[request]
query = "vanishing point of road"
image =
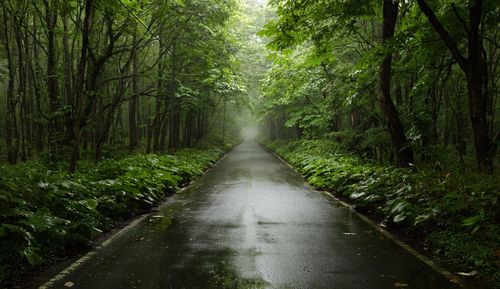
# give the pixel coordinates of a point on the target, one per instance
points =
(252, 222)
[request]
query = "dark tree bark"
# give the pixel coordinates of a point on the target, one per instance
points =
(153, 131)
(30, 101)
(68, 72)
(22, 86)
(96, 65)
(189, 128)
(154, 127)
(106, 117)
(133, 105)
(52, 78)
(475, 69)
(79, 86)
(174, 107)
(164, 131)
(11, 119)
(157, 122)
(404, 154)
(35, 76)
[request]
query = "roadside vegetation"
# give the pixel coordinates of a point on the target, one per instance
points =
(454, 215)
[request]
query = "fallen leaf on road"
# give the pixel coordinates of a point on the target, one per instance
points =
(400, 285)
(69, 284)
(471, 273)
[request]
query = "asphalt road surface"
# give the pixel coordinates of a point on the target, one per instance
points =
(251, 222)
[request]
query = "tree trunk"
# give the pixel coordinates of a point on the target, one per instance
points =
(30, 101)
(189, 128)
(36, 75)
(10, 120)
(79, 86)
(476, 73)
(477, 84)
(133, 105)
(106, 116)
(21, 91)
(68, 89)
(174, 107)
(52, 79)
(224, 122)
(403, 152)
(164, 131)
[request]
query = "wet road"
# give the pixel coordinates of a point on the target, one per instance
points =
(251, 222)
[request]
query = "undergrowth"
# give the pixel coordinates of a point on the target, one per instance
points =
(45, 213)
(457, 214)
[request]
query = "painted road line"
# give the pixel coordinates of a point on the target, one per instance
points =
(85, 258)
(88, 256)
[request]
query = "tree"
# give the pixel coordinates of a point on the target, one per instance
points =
(94, 92)
(475, 68)
(404, 153)
(302, 21)
(325, 62)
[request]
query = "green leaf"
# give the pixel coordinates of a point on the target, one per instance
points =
(43, 220)
(399, 218)
(471, 221)
(90, 204)
(32, 256)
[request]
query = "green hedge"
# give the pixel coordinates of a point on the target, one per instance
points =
(44, 212)
(456, 213)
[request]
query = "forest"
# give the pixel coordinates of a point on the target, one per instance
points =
(393, 105)
(107, 106)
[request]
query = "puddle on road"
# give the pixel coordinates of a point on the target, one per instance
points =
(207, 269)
(211, 269)
(163, 219)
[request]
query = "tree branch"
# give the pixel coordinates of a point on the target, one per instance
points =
(460, 18)
(452, 46)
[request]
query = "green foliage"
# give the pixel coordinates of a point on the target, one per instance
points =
(45, 212)
(461, 209)
(475, 250)
(326, 57)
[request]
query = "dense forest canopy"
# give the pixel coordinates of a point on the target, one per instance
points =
(401, 82)
(83, 76)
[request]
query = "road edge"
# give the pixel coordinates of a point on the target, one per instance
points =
(132, 224)
(405, 246)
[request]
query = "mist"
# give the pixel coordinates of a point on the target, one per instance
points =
(249, 132)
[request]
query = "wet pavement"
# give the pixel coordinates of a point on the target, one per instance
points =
(251, 222)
